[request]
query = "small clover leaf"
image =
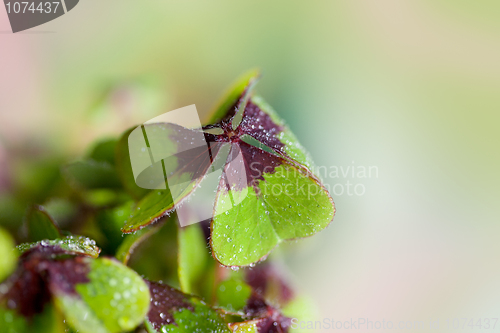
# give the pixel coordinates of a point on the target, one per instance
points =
(7, 254)
(173, 311)
(132, 241)
(113, 299)
(93, 295)
(152, 252)
(124, 168)
(233, 295)
(40, 224)
(71, 245)
(193, 257)
(261, 317)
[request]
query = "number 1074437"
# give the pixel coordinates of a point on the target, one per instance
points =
(30, 7)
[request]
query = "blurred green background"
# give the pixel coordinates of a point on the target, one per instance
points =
(411, 87)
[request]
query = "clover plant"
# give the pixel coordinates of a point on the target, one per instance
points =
(99, 254)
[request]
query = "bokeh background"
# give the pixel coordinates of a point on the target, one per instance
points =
(411, 87)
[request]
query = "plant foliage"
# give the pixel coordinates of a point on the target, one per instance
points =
(134, 268)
